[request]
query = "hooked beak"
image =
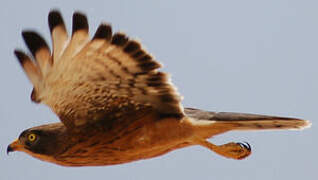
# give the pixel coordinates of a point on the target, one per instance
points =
(14, 146)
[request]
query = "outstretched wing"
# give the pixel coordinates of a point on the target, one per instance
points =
(84, 81)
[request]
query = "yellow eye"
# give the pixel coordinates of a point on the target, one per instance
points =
(32, 137)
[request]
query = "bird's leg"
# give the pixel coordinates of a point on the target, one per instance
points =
(230, 150)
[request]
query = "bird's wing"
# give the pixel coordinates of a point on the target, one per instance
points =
(86, 80)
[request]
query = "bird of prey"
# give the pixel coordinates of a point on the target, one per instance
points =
(114, 105)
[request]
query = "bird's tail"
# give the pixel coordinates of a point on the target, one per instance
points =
(213, 123)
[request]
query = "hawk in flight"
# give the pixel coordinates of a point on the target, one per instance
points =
(114, 105)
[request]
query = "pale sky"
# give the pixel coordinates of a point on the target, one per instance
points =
(242, 56)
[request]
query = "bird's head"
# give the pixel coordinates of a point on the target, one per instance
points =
(40, 141)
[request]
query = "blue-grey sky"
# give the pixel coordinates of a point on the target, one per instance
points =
(243, 56)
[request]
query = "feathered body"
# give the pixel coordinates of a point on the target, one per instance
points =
(114, 104)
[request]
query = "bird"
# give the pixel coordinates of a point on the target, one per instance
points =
(114, 104)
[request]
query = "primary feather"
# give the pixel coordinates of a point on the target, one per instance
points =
(84, 80)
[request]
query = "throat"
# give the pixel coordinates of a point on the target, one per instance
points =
(41, 157)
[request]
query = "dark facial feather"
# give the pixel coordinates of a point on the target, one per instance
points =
(47, 139)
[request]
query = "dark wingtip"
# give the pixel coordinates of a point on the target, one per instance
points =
(34, 41)
(55, 19)
(168, 98)
(148, 66)
(157, 80)
(79, 22)
(119, 39)
(34, 97)
(132, 46)
(104, 31)
(144, 58)
(138, 54)
(20, 55)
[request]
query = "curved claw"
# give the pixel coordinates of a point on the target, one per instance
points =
(247, 149)
(246, 145)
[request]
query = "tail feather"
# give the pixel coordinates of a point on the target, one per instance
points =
(212, 123)
(274, 124)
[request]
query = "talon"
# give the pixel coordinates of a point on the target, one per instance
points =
(241, 144)
(245, 145)
(248, 146)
